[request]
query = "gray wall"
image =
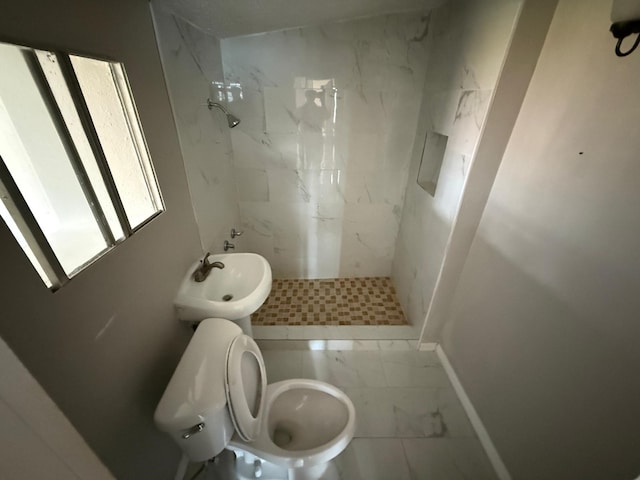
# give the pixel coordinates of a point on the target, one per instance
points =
(544, 327)
(104, 346)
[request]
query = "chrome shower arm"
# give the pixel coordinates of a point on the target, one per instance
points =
(211, 104)
(232, 120)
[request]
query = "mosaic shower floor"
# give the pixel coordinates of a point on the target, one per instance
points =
(333, 301)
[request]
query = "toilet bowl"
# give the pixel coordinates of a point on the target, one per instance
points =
(219, 398)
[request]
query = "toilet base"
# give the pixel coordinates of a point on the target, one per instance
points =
(250, 467)
(324, 471)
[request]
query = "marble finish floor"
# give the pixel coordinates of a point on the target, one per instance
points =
(410, 423)
(331, 301)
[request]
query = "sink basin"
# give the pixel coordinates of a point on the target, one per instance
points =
(234, 292)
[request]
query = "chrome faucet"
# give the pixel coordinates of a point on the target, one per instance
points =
(203, 270)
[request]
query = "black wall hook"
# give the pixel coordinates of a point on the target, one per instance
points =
(622, 30)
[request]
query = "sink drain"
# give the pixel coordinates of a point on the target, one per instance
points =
(227, 297)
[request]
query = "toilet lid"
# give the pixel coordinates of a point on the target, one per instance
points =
(245, 385)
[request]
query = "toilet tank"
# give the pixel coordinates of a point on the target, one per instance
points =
(194, 404)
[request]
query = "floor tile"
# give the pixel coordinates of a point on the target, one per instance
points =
(282, 364)
(447, 459)
(409, 413)
(373, 459)
(409, 422)
(333, 301)
(344, 368)
(403, 345)
(413, 369)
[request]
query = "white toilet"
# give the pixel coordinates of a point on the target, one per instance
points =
(218, 398)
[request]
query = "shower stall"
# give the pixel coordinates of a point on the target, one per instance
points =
(321, 174)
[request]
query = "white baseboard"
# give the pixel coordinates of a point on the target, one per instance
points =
(483, 435)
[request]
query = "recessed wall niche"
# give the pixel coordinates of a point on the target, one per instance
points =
(432, 155)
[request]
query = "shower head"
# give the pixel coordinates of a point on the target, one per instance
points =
(232, 120)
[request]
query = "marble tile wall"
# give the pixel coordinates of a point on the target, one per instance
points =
(322, 154)
(193, 70)
(467, 42)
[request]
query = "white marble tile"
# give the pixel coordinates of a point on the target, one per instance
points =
(409, 412)
(352, 345)
(318, 344)
(251, 241)
(341, 344)
(270, 332)
(295, 263)
(252, 185)
(352, 53)
(406, 332)
(413, 369)
(306, 237)
(466, 43)
(373, 459)
(478, 31)
(375, 187)
(398, 345)
(256, 216)
(191, 61)
(325, 186)
(282, 364)
(304, 111)
(447, 459)
(332, 114)
(368, 240)
(248, 106)
(440, 108)
(344, 368)
(319, 332)
(375, 151)
(253, 149)
(288, 186)
(328, 332)
(468, 120)
(293, 224)
(278, 332)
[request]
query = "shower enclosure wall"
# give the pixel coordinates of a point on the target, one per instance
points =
(333, 121)
(322, 156)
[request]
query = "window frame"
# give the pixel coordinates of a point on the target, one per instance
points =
(18, 207)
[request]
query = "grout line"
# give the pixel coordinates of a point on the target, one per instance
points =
(483, 435)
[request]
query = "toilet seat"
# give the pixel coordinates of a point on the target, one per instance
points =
(245, 386)
(264, 447)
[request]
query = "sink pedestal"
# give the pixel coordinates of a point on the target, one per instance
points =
(245, 324)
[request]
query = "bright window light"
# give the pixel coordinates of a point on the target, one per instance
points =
(76, 178)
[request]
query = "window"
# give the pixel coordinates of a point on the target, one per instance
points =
(76, 178)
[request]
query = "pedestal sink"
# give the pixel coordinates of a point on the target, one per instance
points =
(234, 292)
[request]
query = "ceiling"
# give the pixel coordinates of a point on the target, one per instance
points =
(230, 18)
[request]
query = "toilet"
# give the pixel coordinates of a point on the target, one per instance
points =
(218, 398)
